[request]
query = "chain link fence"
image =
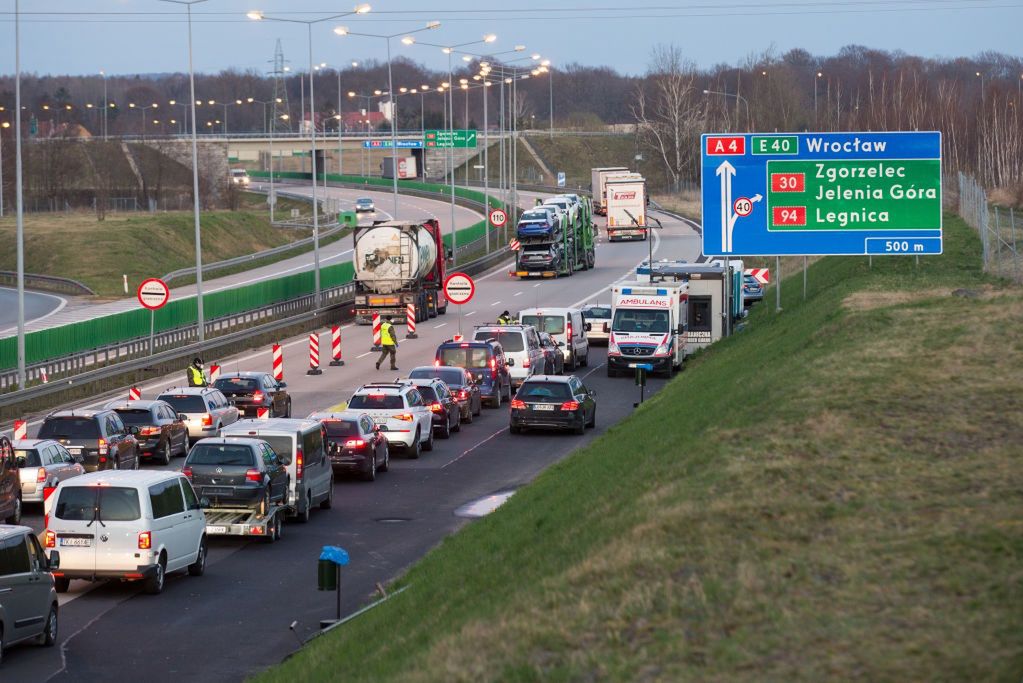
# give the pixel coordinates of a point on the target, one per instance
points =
(998, 228)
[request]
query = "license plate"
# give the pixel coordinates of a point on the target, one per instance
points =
(217, 491)
(543, 406)
(76, 542)
(216, 529)
(75, 451)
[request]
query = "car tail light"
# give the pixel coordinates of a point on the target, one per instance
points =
(404, 417)
(41, 475)
(570, 405)
(299, 463)
(207, 420)
(436, 407)
(355, 443)
(145, 540)
(436, 363)
(187, 471)
(462, 393)
(50, 539)
(569, 332)
(525, 363)
(149, 431)
(102, 443)
(516, 404)
(258, 397)
(253, 475)
(102, 459)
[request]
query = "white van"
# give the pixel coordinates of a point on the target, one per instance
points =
(299, 443)
(125, 525)
(568, 328)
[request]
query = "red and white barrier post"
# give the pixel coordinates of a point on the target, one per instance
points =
(134, 393)
(335, 346)
(262, 413)
(278, 362)
(376, 332)
(410, 321)
(314, 355)
(214, 373)
(20, 430)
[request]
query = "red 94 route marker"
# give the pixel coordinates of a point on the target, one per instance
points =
(153, 293)
(459, 288)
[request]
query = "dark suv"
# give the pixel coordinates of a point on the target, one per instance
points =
(99, 436)
(484, 359)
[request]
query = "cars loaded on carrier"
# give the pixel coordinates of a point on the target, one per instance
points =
(125, 526)
(251, 391)
(162, 432)
(355, 443)
(99, 436)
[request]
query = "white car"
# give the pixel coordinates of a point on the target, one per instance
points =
(125, 525)
(400, 412)
(240, 176)
(567, 206)
(599, 319)
(206, 409)
(567, 327)
(43, 463)
(522, 352)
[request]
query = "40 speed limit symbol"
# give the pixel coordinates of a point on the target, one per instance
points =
(743, 206)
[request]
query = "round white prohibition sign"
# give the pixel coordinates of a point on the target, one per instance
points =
(742, 206)
(459, 288)
(153, 293)
(498, 218)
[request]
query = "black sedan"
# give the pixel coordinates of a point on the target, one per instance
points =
(442, 403)
(250, 391)
(463, 387)
(552, 354)
(162, 433)
(549, 402)
(354, 443)
(237, 472)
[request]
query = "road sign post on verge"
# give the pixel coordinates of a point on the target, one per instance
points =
(459, 289)
(825, 194)
(153, 293)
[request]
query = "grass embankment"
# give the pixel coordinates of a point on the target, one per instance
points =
(141, 245)
(832, 494)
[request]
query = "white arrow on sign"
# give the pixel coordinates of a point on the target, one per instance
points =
(728, 216)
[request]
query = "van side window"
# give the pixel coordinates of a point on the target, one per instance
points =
(312, 446)
(166, 499)
(35, 554)
(14, 556)
(191, 501)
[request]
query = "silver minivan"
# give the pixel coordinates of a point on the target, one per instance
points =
(300, 445)
(568, 328)
(28, 601)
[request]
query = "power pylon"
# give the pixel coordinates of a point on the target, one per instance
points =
(281, 123)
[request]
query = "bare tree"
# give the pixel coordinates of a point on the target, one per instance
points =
(669, 115)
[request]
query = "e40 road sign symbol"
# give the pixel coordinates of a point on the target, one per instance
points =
(498, 218)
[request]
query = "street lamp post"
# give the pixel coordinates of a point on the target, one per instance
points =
(19, 208)
(259, 16)
(815, 79)
(201, 323)
(738, 97)
(106, 103)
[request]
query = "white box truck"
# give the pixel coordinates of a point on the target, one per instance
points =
(626, 208)
(648, 326)
(598, 186)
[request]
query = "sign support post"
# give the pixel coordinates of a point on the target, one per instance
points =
(777, 290)
(153, 293)
(459, 289)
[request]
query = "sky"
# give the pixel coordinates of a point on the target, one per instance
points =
(149, 36)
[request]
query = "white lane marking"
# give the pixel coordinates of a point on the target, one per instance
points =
(593, 371)
(518, 293)
(437, 327)
(364, 355)
(496, 303)
(465, 453)
(537, 285)
(470, 313)
(629, 273)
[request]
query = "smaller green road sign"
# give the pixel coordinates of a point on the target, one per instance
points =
(450, 138)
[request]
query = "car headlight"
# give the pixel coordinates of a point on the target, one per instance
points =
(661, 350)
(612, 347)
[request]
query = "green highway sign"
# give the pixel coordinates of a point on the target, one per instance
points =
(450, 138)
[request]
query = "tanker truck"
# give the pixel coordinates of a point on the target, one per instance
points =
(399, 263)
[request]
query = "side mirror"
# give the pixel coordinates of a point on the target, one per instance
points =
(607, 327)
(593, 392)
(54, 562)
(561, 343)
(282, 385)
(510, 362)
(682, 329)
(204, 503)
(588, 327)
(133, 430)
(183, 417)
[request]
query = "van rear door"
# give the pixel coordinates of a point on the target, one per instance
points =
(72, 520)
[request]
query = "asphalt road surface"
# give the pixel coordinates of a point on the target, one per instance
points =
(234, 621)
(37, 305)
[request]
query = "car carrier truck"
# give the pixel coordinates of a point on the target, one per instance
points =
(399, 263)
(556, 250)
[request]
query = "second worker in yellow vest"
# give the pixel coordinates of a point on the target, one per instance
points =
(389, 344)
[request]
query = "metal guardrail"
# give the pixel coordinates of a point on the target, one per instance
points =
(49, 283)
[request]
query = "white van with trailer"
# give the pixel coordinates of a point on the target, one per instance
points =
(300, 445)
(626, 208)
(648, 326)
(568, 329)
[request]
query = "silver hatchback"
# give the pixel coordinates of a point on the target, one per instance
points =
(206, 409)
(42, 464)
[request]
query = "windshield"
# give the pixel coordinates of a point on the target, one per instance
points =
(465, 357)
(551, 324)
(534, 216)
(186, 404)
(336, 428)
(634, 320)
(510, 341)
(136, 416)
(597, 312)
(377, 402)
(453, 378)
(69, 428)
(221, 454)
(27, 457)
(540, 391)
(232, 385)
(559, 203)
(105, 503)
